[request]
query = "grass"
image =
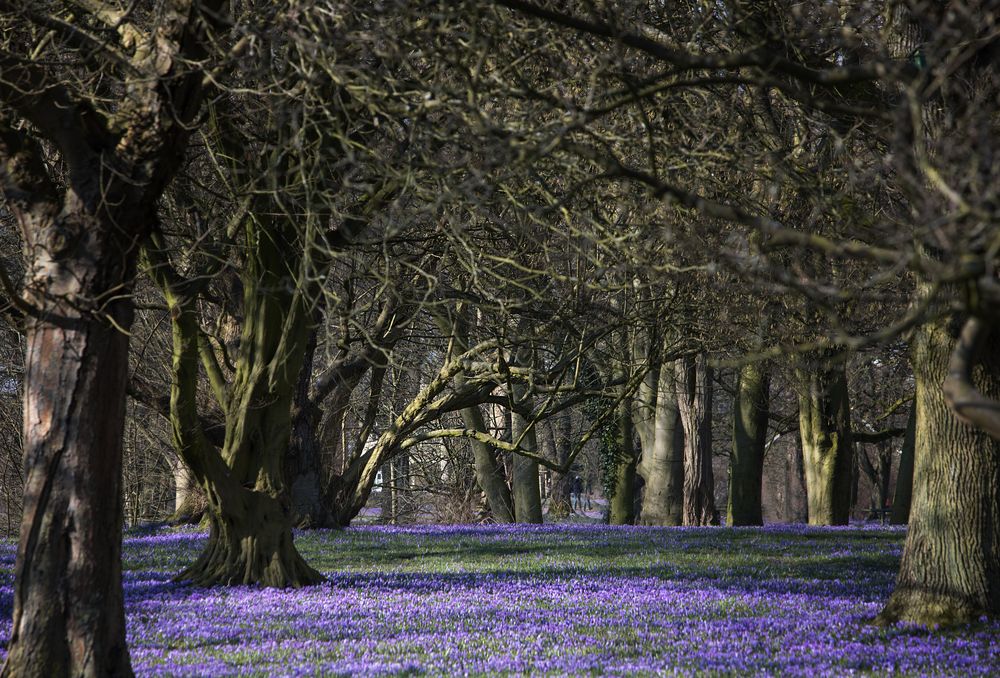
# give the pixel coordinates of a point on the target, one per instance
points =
(555, 600)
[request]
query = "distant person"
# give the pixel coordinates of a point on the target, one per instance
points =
(576, 494)
(588, 488)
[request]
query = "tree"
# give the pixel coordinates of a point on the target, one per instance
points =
(96, 108)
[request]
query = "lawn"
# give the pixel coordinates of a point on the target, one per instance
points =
(543, 600)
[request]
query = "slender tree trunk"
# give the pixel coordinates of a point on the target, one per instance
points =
(950, 570)
(746, 463)
(662, 465)
(68, 605)
(560, 501)
(903, 492)
(827, 449)
(694, 385)
(622, 509)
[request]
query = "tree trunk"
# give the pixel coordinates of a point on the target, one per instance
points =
(622, 508)
(527, 498)
(524, 476)
(190, 502)
(68, 604)
(827, 449)
(561, 498)
(746, 463)
(903, 492)
(662, 465)
(303, 467)
(796, 509)
(950, 570)
(694, 385)
(489, 473)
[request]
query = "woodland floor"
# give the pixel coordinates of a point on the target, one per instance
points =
(557, 600)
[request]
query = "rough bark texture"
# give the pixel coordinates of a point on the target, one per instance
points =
(68, 606)
(950, 570)
(903, 493)
(662, 465)
(827, 449)
(622, 507)
(694, 387)
(746, 463)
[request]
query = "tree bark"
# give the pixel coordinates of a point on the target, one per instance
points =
(489, 473)
(694, 386)
(561, 499)
(746, 463)
(796, 509)
(68, 604)
(662, 465)
(950, 570)
(903, 493)
(827, 448)
(527, 498)
(622, 508)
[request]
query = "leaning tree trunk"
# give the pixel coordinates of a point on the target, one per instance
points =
(662, 465)
(746, 463)
(950, 570)
(903, 493)
(694, 386)
(68, 605)
(827, 449)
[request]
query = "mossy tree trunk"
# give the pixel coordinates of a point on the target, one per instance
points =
(746, 462)
(250, 540)
(694, 388)
(662, 465)
(827, 448)
(950, 570)
(622, 506)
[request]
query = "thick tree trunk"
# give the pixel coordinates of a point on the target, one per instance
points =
(622, 507)
(68, 605)
(662, 465)
(903, 493)
(950, 570)
(694, 386)
(827, 449)
(746, 463)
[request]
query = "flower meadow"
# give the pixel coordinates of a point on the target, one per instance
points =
(546, 600)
